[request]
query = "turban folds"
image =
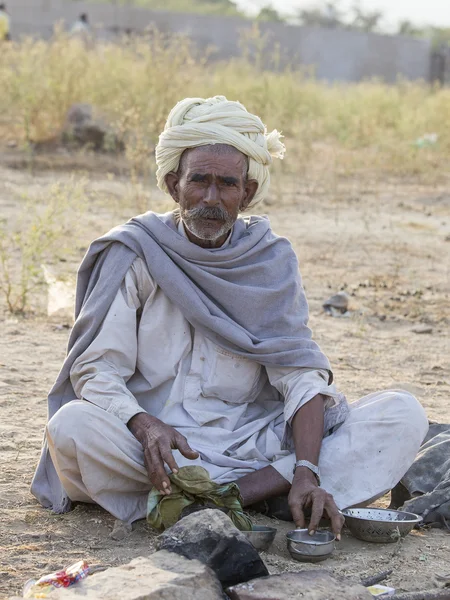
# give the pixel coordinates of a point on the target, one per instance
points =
(195, 122)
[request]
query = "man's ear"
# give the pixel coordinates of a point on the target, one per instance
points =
(172, 180)
(251, 187)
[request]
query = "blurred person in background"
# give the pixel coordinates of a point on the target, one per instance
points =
(191, 347)
(82, 30)
(81, 25)
(5, 24)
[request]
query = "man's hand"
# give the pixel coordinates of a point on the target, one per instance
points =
(305, 493)
(158, 440)
(307, 430)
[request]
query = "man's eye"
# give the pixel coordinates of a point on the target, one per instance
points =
(230, 183)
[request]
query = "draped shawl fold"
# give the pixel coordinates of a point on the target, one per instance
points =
(247, 297)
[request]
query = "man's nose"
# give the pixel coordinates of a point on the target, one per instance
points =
(212, 196)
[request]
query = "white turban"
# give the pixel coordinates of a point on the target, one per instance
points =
(197, 122)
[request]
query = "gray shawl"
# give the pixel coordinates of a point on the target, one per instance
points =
(247, 297)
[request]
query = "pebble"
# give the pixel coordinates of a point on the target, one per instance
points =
(120, 531)
(422, 329)
(338, 301)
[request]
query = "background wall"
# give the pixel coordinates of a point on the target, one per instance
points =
(334, 54)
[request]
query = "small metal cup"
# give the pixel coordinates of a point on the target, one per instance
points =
(310, 548)
(261, 537)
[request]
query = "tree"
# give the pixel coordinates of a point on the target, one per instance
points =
(268, 13)
(407, 28)
(365, 20)
(440, 36)
(328, 15)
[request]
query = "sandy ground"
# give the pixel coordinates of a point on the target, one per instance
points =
(386, 243)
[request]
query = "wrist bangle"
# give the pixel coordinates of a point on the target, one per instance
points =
(310, 466)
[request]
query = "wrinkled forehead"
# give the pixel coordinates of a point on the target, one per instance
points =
(215, 156)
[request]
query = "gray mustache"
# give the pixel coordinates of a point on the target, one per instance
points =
(205, 212)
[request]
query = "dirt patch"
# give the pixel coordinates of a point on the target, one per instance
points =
(385, 244)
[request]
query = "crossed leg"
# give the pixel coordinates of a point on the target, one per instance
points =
(99, 460)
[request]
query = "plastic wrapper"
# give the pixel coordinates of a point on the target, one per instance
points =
(43, 587)
(381, 591)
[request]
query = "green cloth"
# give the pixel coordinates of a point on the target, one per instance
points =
(189, 485)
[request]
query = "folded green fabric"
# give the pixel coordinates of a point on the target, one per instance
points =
(189, 485)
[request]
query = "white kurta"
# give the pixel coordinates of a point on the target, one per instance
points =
(236, 413)
(147, 357)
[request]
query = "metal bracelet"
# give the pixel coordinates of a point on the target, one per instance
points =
(309, 465)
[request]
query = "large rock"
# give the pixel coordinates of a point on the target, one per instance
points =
(210, 536)
(161, 576)
(305, 585)
(85, 128)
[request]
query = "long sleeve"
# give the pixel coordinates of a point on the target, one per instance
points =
(99, 375)
(298, 386)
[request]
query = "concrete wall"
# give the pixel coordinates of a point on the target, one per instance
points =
(333, 54)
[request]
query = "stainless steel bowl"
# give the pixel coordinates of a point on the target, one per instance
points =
(261, 537)
(310, 548)
(379, 524)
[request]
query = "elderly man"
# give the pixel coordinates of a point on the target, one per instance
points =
(191, 347)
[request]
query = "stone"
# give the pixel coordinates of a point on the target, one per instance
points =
(120, 531)
(422, 329)
(339, 302)
(210, 537)
(304, 585)
(161, 576)
(83, 127)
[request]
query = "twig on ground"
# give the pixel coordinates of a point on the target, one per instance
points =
(378, 578)
(398, 547)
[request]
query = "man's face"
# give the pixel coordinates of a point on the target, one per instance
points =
(211, 187)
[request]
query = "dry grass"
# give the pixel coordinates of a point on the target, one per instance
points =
(339, 137)
(45, 227)
(366, 125)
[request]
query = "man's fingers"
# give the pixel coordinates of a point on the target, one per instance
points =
(298, 516)
(185, 449)
(156, 472)
(169, 459)
(336, 518)
(147, 461)
(318, 505)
